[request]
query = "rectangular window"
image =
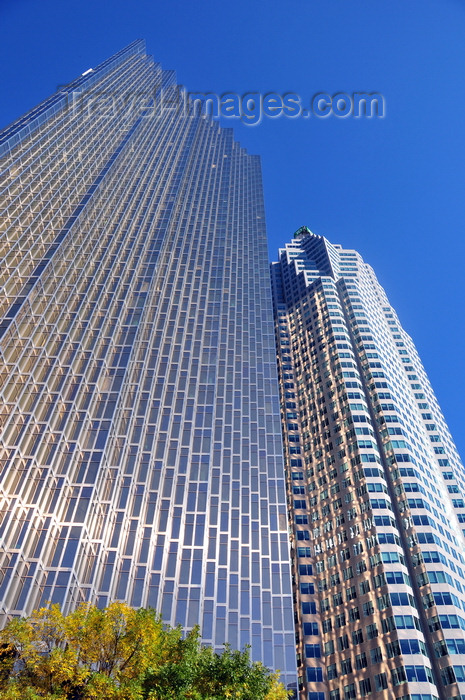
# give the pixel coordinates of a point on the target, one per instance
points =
(329, 647)
(368, 608)
(365, 686)
(314, 674)
(309, 608)
(332, 671)
(349, 692)
(393, 649)
(312, 651)
(346, 666)
(351, 593)
(380, 682)
(398, 675)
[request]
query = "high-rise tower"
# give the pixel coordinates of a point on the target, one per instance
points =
(375, 486)
(141, 453)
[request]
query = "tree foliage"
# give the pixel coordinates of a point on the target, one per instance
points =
(119, 653)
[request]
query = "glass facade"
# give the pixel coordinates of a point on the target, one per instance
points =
(140, 451)
(375, 488)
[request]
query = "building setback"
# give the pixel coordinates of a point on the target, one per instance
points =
(375, 488)
(141, 449)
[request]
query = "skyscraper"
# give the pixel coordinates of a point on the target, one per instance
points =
(141, 449)
(375, 487)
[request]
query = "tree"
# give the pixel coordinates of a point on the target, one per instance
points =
(193, 672)
(119, 653)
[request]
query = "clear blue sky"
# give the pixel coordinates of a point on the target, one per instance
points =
(391, 188)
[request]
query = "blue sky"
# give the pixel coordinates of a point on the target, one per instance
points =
(391, 188)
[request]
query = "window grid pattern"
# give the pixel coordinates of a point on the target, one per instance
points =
(377, 551)
(141, 453)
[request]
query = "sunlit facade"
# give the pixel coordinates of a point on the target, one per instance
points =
(141, 449)
(375, 488)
